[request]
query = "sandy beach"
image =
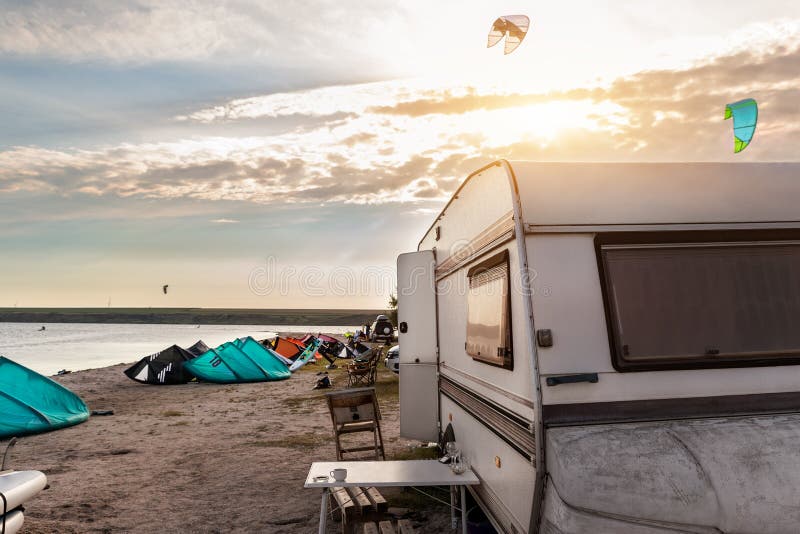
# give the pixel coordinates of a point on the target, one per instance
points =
(198, 457)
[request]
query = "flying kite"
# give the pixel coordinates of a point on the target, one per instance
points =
(515, 26)
(166, 286)
(745, 116)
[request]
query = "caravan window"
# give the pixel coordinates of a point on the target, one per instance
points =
(702, 303)
(489, 312)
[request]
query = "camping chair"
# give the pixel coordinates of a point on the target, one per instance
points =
(361, 372)
(356, 410)
(376, 359)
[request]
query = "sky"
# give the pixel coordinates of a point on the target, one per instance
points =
(257, 154)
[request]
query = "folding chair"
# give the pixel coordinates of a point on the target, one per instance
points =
(375, 362)
(352, 411)
(359, 372)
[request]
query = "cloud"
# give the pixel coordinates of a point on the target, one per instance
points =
(665, 114)
(263, 170)
(224, 221)
(142, 31)
(320, 102)
(400, 142)
(121, 31)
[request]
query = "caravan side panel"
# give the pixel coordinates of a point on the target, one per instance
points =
(491, 406)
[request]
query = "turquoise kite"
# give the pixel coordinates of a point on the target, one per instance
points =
(240, 361)
(31, 403)
(745, 116)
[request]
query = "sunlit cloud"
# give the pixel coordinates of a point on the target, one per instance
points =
(323, 101)
(404, 142)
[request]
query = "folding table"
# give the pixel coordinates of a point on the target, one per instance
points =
(389, 474)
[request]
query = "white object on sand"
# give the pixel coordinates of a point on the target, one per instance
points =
(14, 521)
(18, 487)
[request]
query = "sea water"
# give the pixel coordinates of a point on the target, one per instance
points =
(76, 346)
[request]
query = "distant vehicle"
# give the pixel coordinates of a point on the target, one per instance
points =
(382, 329)
(393, 359)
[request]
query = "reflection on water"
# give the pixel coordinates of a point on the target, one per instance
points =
(76, 346)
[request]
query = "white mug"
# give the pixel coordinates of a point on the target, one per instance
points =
(339, 474)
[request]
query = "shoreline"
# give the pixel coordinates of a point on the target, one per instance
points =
(78, 346)
(208, 316)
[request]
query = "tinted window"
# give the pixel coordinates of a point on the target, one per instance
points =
(703, 303)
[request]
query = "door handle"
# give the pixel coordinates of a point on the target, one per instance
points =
(592, 378)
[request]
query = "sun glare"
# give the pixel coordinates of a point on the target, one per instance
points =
(539, 122)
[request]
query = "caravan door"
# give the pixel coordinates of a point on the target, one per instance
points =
(416, 317)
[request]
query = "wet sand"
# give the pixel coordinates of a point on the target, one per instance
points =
(198, 457)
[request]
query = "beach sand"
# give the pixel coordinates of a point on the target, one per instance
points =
(198, 457)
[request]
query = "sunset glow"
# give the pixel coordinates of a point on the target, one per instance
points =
(244, 132)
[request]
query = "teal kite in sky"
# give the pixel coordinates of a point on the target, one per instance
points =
(745, 116)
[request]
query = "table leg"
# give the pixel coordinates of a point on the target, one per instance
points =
(453, 520)
(323, 511)
(463, 509)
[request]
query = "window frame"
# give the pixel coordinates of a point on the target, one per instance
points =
(645, 238)
(507, 360)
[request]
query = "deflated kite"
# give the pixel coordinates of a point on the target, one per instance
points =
(745, 116)
(515, 26)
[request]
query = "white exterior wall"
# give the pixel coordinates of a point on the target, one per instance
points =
(453, 334)
(512, 482)
(484, 203)
(483, 200)
(568, 300)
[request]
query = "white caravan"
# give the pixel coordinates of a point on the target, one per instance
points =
(616, 346)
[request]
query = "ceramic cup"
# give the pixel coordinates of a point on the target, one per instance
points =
(339, 474)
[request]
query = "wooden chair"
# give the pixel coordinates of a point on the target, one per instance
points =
(353, 411)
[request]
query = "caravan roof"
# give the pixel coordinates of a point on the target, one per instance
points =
(657, 193)
(592, 194)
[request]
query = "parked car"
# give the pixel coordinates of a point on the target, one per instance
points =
(393, 359)
(381, 330)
